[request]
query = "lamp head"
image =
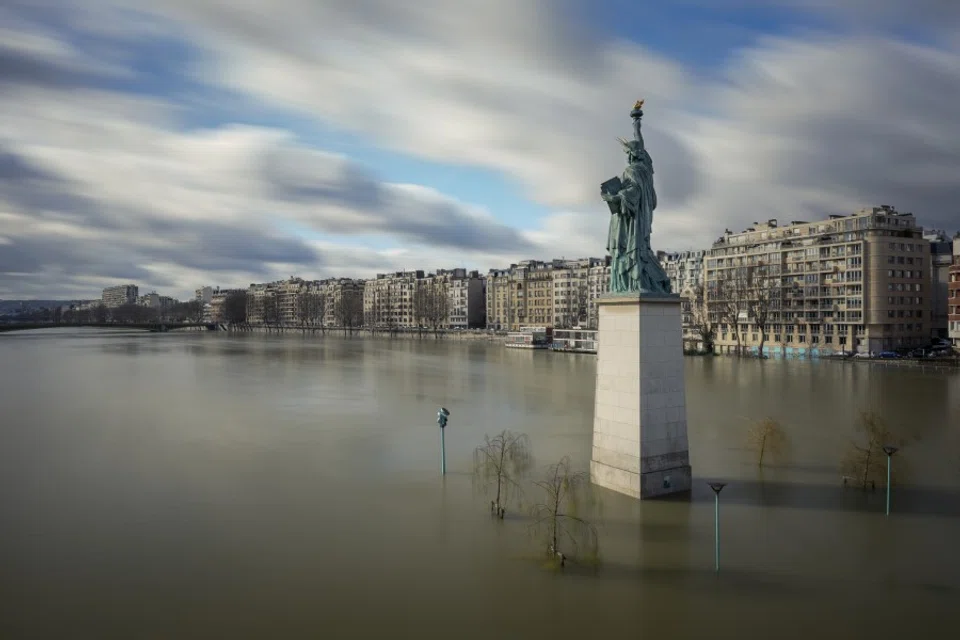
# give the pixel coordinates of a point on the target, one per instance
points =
(717, 486)
(890, 450)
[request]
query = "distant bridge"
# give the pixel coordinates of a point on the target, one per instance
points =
(145, 326)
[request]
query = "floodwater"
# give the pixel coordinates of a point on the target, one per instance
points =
(214, 486)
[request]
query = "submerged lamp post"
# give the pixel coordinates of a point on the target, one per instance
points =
(442, 416)
(717, 488)
(889, 450)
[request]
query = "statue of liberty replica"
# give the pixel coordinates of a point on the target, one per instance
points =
(634, 267)
(638, 452)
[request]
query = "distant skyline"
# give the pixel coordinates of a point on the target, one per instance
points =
(189, 142)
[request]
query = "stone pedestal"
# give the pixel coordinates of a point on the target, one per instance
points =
(640, 416)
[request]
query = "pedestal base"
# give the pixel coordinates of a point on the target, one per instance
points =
(640, 445)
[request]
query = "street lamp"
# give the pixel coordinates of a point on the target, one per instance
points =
(442, 416)
(717, 488)
(889, 450)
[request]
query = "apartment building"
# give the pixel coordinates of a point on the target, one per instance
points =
(261, 303)
(571, 292)
(343, 301)
(598, 284)
(465, 307)
(388, 300)
(953, 295)
(684, 268)
(499, 287)
(858, 282)
(120, 295)
(521, 296)
(149, 300)
(941, 259)
(558, 293)
(214, 310)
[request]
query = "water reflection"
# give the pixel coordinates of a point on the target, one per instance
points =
(208, 485)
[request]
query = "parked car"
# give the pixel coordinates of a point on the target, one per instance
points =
(888, 355)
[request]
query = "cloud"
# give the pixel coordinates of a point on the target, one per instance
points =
(525, 87)
(110, 187)
(798, 126)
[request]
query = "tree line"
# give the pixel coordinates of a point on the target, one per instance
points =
(181, 312)
(749, 293)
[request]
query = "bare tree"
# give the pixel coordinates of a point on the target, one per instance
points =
(438, 306)
(384, 310)
(501, 462)
(370, 315)
(348, 312)
(737, 290)
(701, 319)
(865, 462)
(556, 519)
(311, 306)
(270, 310)
(767, 437)
(354, 312)
(421, 305)
(762, 289)
(254, 309)
(320, 301)
(235, 307)
(100, 313)
(726, 302)
(302, 309)
(194, 310)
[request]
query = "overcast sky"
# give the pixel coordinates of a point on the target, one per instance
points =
(177, 143)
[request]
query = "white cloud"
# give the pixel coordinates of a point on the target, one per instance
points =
(795, 127)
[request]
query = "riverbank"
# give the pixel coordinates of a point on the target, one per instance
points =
(469, 334)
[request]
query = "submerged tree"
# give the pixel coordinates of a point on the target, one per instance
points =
(767, 438)
(556, 519)
(865, 462)
(501, 462)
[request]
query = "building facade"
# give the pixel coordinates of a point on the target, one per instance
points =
(388, 300)
(572, 300)
(214, 310)
(953, 296)
(941, 259)
(598, 284)
(854, 283)
(558, 294)
(120, 295)
(343, 300)
(296, 302)
(465, 307)
(684, 268)
(154, 300)
(447, 299)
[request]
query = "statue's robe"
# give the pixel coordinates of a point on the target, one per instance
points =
(634, 264)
